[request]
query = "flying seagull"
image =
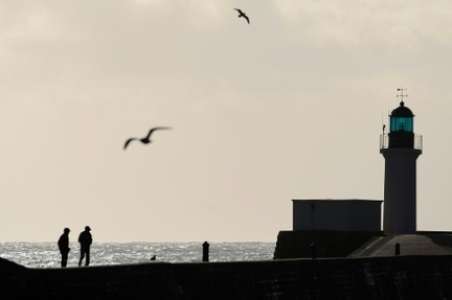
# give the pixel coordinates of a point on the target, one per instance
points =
(145, 140)
(242, 15)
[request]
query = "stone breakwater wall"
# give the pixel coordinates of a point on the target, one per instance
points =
(403, 277)
(297, 244)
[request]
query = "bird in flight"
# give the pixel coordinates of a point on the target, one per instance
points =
(145, 140)
(242, 15)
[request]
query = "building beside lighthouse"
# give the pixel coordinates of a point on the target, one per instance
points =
(353, 227)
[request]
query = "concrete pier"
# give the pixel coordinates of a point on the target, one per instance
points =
(401, 277)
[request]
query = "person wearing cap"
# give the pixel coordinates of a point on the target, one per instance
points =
(85, 239)
(63, 245)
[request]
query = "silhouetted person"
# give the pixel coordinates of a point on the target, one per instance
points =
(85, 239)
(145, 140)
(63, 245)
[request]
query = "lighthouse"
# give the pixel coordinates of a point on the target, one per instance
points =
(400, 149)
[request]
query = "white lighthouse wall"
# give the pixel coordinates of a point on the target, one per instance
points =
(400, 190)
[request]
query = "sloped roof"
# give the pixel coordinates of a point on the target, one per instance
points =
(410, 244)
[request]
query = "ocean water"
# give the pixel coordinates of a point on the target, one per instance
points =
(46, 255)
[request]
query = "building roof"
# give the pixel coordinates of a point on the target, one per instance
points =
(337, 200)
(402, 111)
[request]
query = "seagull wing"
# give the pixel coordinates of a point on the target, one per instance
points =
(126, 144)
(242, 14)
(154, 129)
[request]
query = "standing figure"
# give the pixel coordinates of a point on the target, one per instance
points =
(63, 245)
(85, 239)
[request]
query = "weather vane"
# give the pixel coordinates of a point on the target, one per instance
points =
(402, 93)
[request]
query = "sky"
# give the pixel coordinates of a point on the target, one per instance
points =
(290, 106)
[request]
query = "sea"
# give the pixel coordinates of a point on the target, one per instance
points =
(46, 254)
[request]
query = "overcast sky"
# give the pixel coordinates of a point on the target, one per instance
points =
(290, 106)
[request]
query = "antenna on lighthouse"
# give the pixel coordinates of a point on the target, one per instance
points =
(402, 94)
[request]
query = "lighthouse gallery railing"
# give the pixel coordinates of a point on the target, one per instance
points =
(418, 143)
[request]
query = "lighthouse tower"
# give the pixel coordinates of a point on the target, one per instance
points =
(400, 149)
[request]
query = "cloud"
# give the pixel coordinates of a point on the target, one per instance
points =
(28, 24)
(203, 41)
(394, 23)
(203, 14)
(278, 94)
